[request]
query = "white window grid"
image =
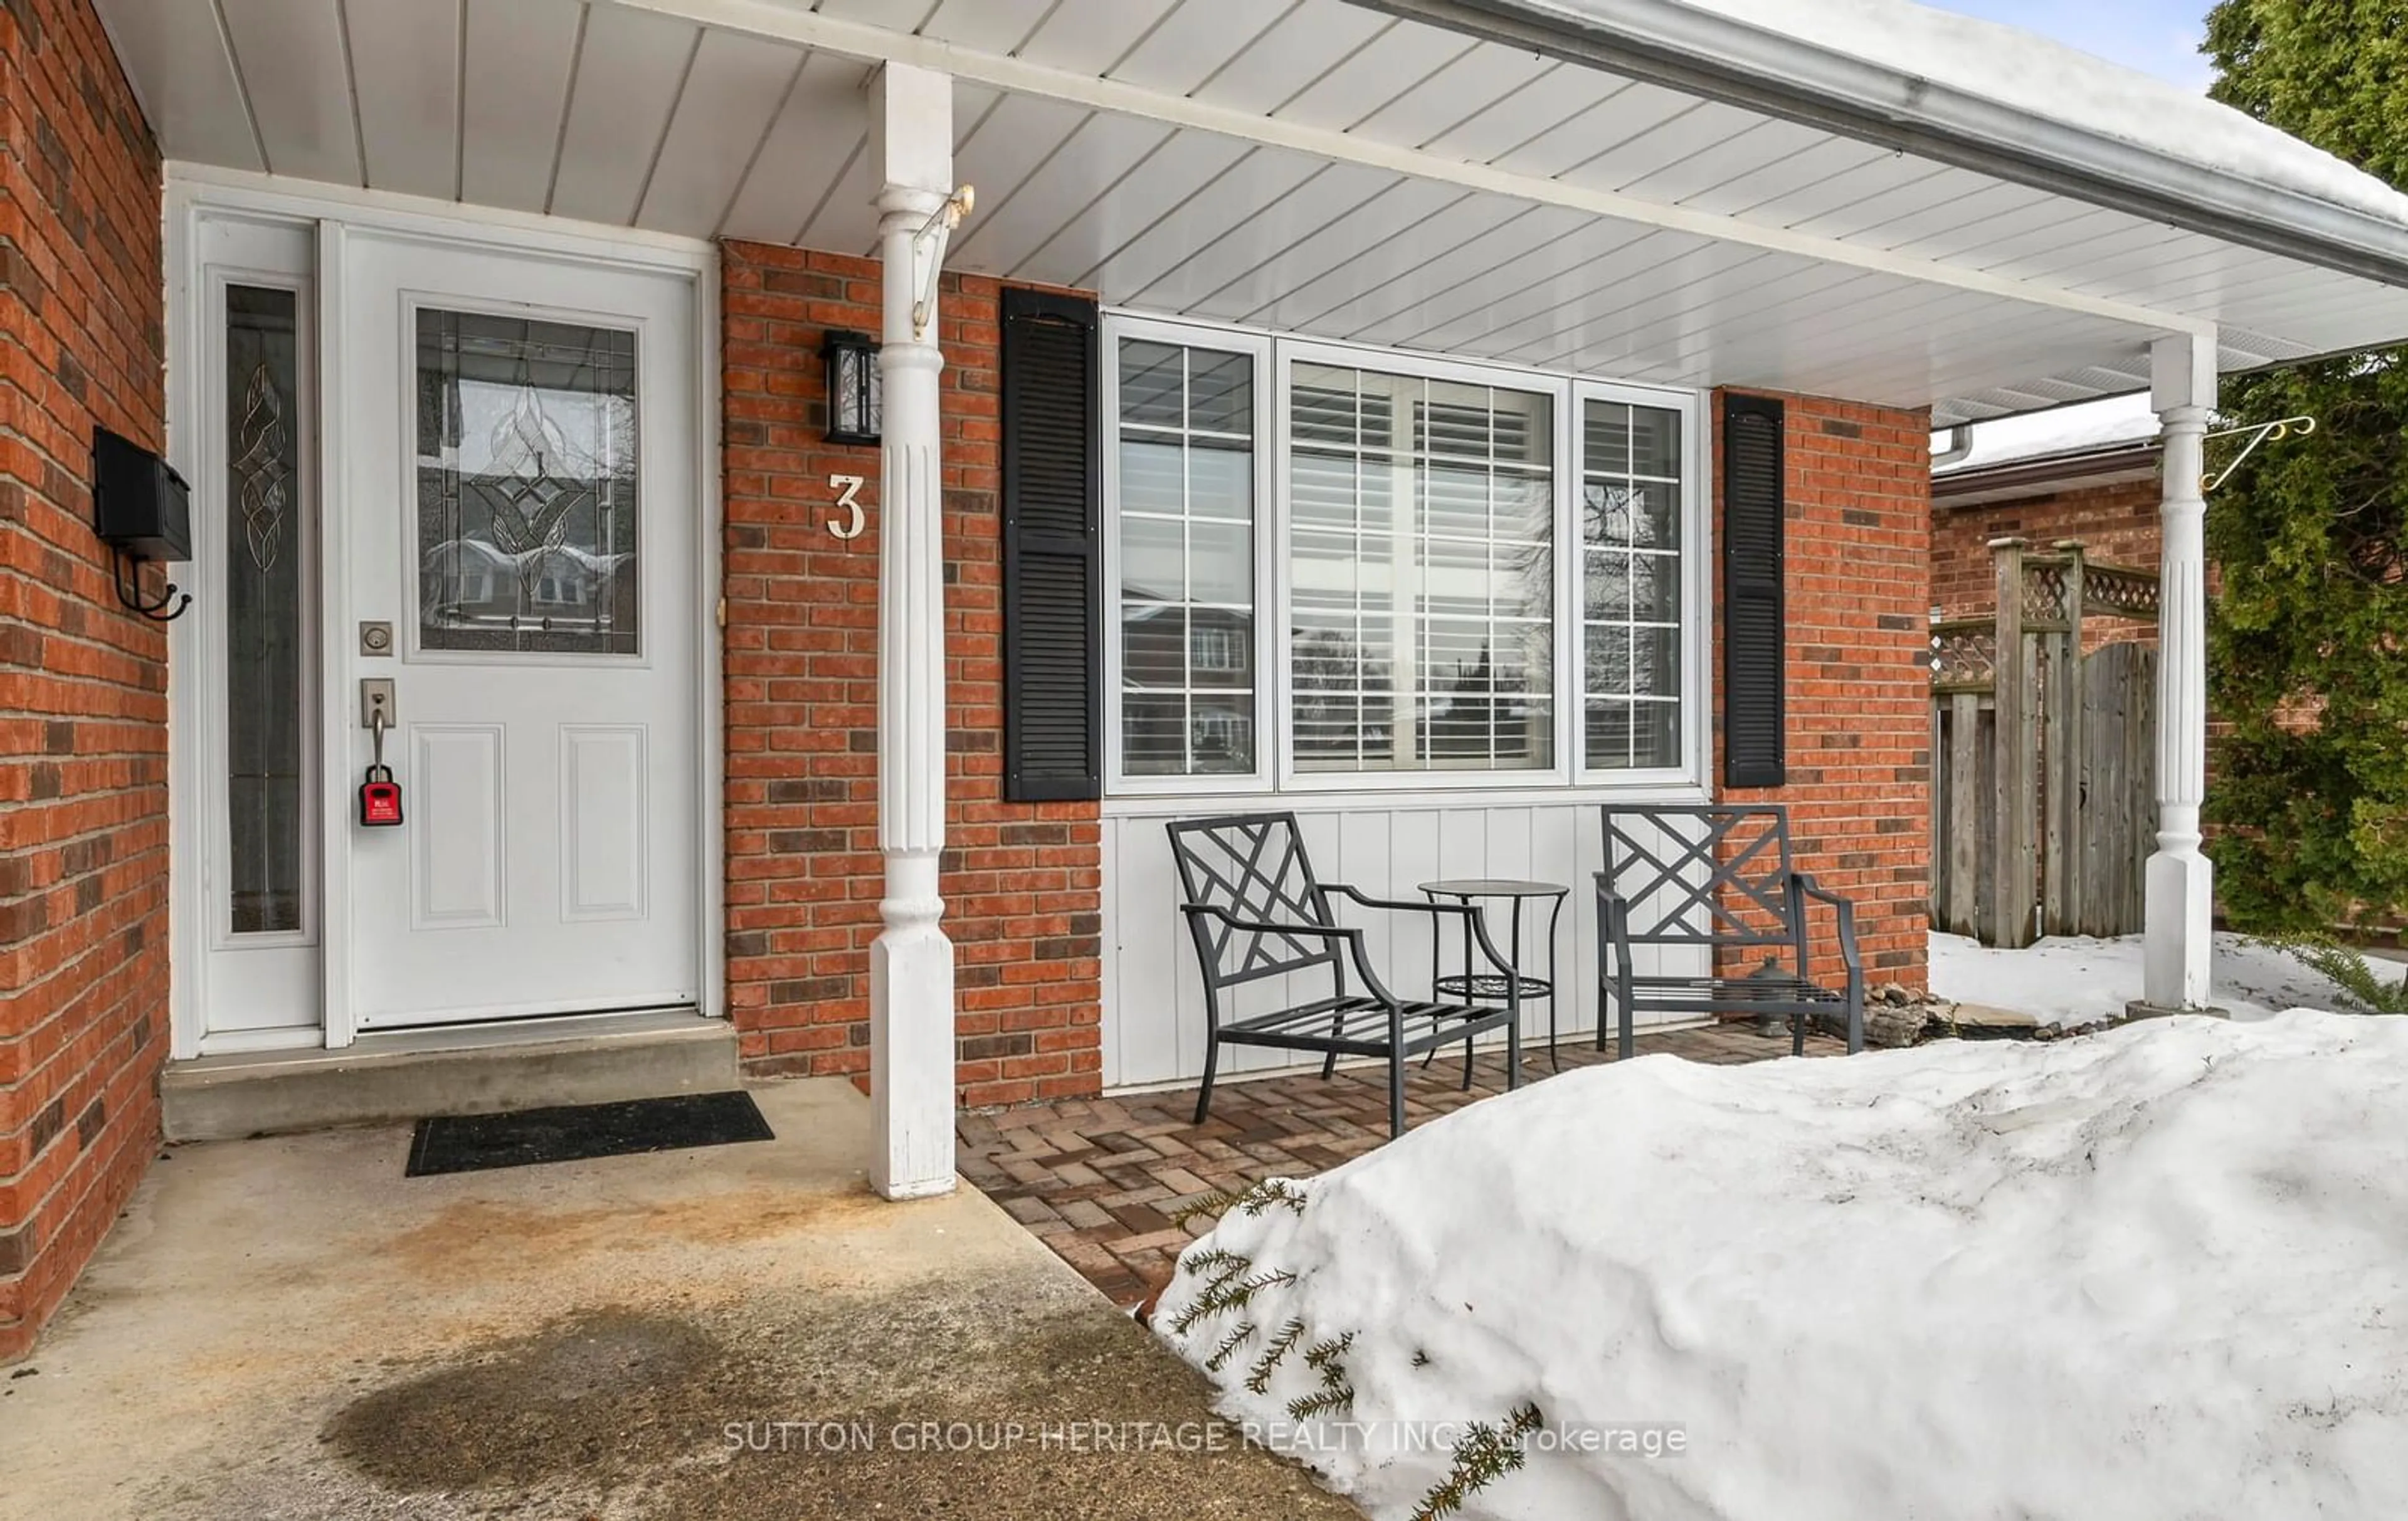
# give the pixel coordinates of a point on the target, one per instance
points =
(1274, 723)
(1632, 592)
(1426, 486)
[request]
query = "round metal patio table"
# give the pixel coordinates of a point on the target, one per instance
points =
(1468, 984)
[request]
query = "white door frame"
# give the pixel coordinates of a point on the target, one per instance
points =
(194, 192)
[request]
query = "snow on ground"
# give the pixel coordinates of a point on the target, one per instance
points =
(2075, 979)
(2160, 1273)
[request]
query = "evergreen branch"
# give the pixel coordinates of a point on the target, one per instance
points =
(1485, 1454)
(1228, 1347)
(1224, 1294)
(1271, 1191)
(1323, 1355)
(1218, 1203)
(2364, 989)
(1320, 1403)
(1258, 1377)
(1336, 1392)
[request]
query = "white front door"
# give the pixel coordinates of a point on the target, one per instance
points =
(518, 509)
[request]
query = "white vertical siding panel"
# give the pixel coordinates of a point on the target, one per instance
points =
(1152, 941)
(1553, 850)
(1363, 861)
(1413, 858)
(1108, 1016)
(1463, 841)
(1584, 965)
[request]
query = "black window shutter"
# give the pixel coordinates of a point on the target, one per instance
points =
(1053, 551)
(1754, 528)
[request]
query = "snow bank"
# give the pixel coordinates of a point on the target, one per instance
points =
(2075, 979)
(2027, 72)
(2160, 1273)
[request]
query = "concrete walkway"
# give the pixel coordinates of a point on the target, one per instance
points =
(290, 1330)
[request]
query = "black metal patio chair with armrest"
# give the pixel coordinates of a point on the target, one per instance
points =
(1256, 910)
(1719, 878)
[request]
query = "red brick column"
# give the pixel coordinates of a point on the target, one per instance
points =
(1023, 882)
(83, 707)
(1859, 693)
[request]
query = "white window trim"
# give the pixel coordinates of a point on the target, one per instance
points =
(1275, 773)
(1697, 585)
(1256, 346)
(1289, 352)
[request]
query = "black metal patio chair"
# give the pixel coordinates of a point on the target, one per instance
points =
(1256, 910)
(1720, 878)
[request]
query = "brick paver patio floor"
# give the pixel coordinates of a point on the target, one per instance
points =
(1099, 1179)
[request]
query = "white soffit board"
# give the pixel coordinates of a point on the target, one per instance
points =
(517, 65)
(731, 117)
(401, 84)
(297, 68)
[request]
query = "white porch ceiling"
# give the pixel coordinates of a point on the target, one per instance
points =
(1433, 215)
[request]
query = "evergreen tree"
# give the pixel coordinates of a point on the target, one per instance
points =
(2307, 640)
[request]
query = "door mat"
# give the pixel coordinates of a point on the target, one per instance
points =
(576, 1132)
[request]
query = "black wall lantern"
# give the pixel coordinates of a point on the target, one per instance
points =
(142, 510)
(852, 397)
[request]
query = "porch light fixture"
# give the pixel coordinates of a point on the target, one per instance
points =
(853, 398)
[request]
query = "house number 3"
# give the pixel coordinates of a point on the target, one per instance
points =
(848, 496)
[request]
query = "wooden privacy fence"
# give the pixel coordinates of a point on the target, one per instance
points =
(2044, 753)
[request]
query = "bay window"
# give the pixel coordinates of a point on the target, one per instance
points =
(1470, 575)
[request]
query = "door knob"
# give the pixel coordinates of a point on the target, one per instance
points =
(378, 709)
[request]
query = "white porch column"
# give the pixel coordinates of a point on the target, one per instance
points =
(2181, 884)
(912, 965)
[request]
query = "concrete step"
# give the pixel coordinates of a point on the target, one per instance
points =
(481, 1069)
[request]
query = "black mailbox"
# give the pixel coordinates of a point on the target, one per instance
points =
(142, 510)
(139, 504)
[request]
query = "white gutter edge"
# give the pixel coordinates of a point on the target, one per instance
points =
(1686, 49)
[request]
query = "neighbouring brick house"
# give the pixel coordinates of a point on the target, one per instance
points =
(1319, 406)
(2088, 473)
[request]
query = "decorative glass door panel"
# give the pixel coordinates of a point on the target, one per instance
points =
(528, 486)
(269, 812)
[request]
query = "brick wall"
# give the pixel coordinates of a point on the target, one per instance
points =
(83, 737)
(2116, 522)
(1023, 884)
(1859, 705)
